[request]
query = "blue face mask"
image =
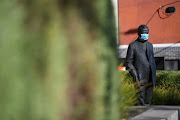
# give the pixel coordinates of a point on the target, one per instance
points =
(144, 36)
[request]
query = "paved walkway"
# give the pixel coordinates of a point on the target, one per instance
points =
(154, 113)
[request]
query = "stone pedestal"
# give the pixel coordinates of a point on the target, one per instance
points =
(154, 113)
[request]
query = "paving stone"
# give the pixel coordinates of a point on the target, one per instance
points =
(157, 115)
(154, 113)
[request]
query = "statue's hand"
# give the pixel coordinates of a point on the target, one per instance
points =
(137, 81)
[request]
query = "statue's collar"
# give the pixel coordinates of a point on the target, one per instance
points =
(140, 40)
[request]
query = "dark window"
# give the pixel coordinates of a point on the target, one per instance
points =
(159, 63)
(171, 64)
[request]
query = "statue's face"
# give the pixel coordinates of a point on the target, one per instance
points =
(144, 34)
(144, 31)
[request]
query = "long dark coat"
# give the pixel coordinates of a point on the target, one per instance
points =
(140, 61)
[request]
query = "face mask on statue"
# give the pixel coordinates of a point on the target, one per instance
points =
(145, 36)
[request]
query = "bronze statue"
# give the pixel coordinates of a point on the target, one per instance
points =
(141, 65)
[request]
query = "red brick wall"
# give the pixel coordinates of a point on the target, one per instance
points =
(132, 13)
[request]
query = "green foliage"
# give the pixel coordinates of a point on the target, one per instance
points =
(166, 91)
(58, 60)
(165, 96)
(168, 79)
(128, 96)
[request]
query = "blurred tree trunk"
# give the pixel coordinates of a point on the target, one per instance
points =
(58, 60)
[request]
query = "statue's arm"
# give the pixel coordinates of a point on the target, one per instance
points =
(130, 61)
(153, 57)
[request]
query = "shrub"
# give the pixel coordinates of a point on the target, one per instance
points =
(166, 91)
(165, 96)
(168, 79)
(58, 60)
(128, 96)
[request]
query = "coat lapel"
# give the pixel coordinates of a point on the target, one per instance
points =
(148, 49)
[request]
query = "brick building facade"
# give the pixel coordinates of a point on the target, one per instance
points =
(164, 31)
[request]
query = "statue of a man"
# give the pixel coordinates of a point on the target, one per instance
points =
(141, 65)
